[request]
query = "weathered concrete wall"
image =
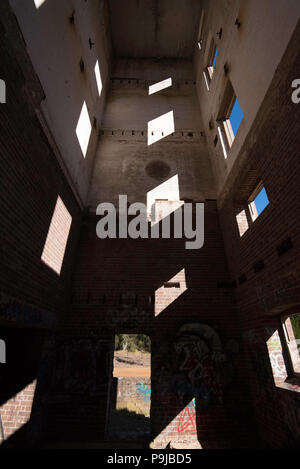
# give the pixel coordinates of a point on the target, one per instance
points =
(148, 28)
(125, 153)
(56, 45)
(252, 53)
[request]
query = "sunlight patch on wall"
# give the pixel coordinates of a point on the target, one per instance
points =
(98, 77)
(84, 129)
(276, 357)
(163, 209)
(183, 426)
(56, 242)
(242, 222)
(161, 127)
(168, 190)
(38, 3)
(169, 292)
(16, 411)
(160, 86)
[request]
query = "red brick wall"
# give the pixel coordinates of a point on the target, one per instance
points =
(271, 150)
(16, 412)
(114, 290)
(30, 182)
(31, 179)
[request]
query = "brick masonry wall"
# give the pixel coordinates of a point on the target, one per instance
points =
(16, 411)
(19, 378)
(270, 153)
(115, 290)
(31, 181)
(31, 293)
(129, 415)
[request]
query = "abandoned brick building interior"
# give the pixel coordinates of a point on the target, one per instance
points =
(168, 102)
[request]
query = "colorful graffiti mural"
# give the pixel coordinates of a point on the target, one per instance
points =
(144, 390)
(199, 359)
(187, 419)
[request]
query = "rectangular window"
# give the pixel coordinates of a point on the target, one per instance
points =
(291, 327)
(212, 59)
(199, 38)
(250, 208)
(215, 57)
(236, 116)
(258, 201)
(211, 63)
(229, 119)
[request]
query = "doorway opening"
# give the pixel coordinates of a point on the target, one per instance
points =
(130, 401)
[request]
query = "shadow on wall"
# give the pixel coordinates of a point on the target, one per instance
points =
(18, 377)
(129, 425)
(195, 365)
(194, 370)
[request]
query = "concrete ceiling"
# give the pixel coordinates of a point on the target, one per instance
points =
(154, 28)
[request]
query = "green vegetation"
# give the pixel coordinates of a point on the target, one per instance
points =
(295, 321)
(132, 342)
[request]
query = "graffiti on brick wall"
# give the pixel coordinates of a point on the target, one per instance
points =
(76, 366)
(144, 390)
(187, 419)
(18, 312)
(194, 370)
(202, 367)
(82, 366)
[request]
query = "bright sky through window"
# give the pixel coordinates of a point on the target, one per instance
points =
(261, 201)
(98, 77)
(215, 57)
(236, 117)
(160, 86)
(57, 237)
(161, 127)
(83, 129)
